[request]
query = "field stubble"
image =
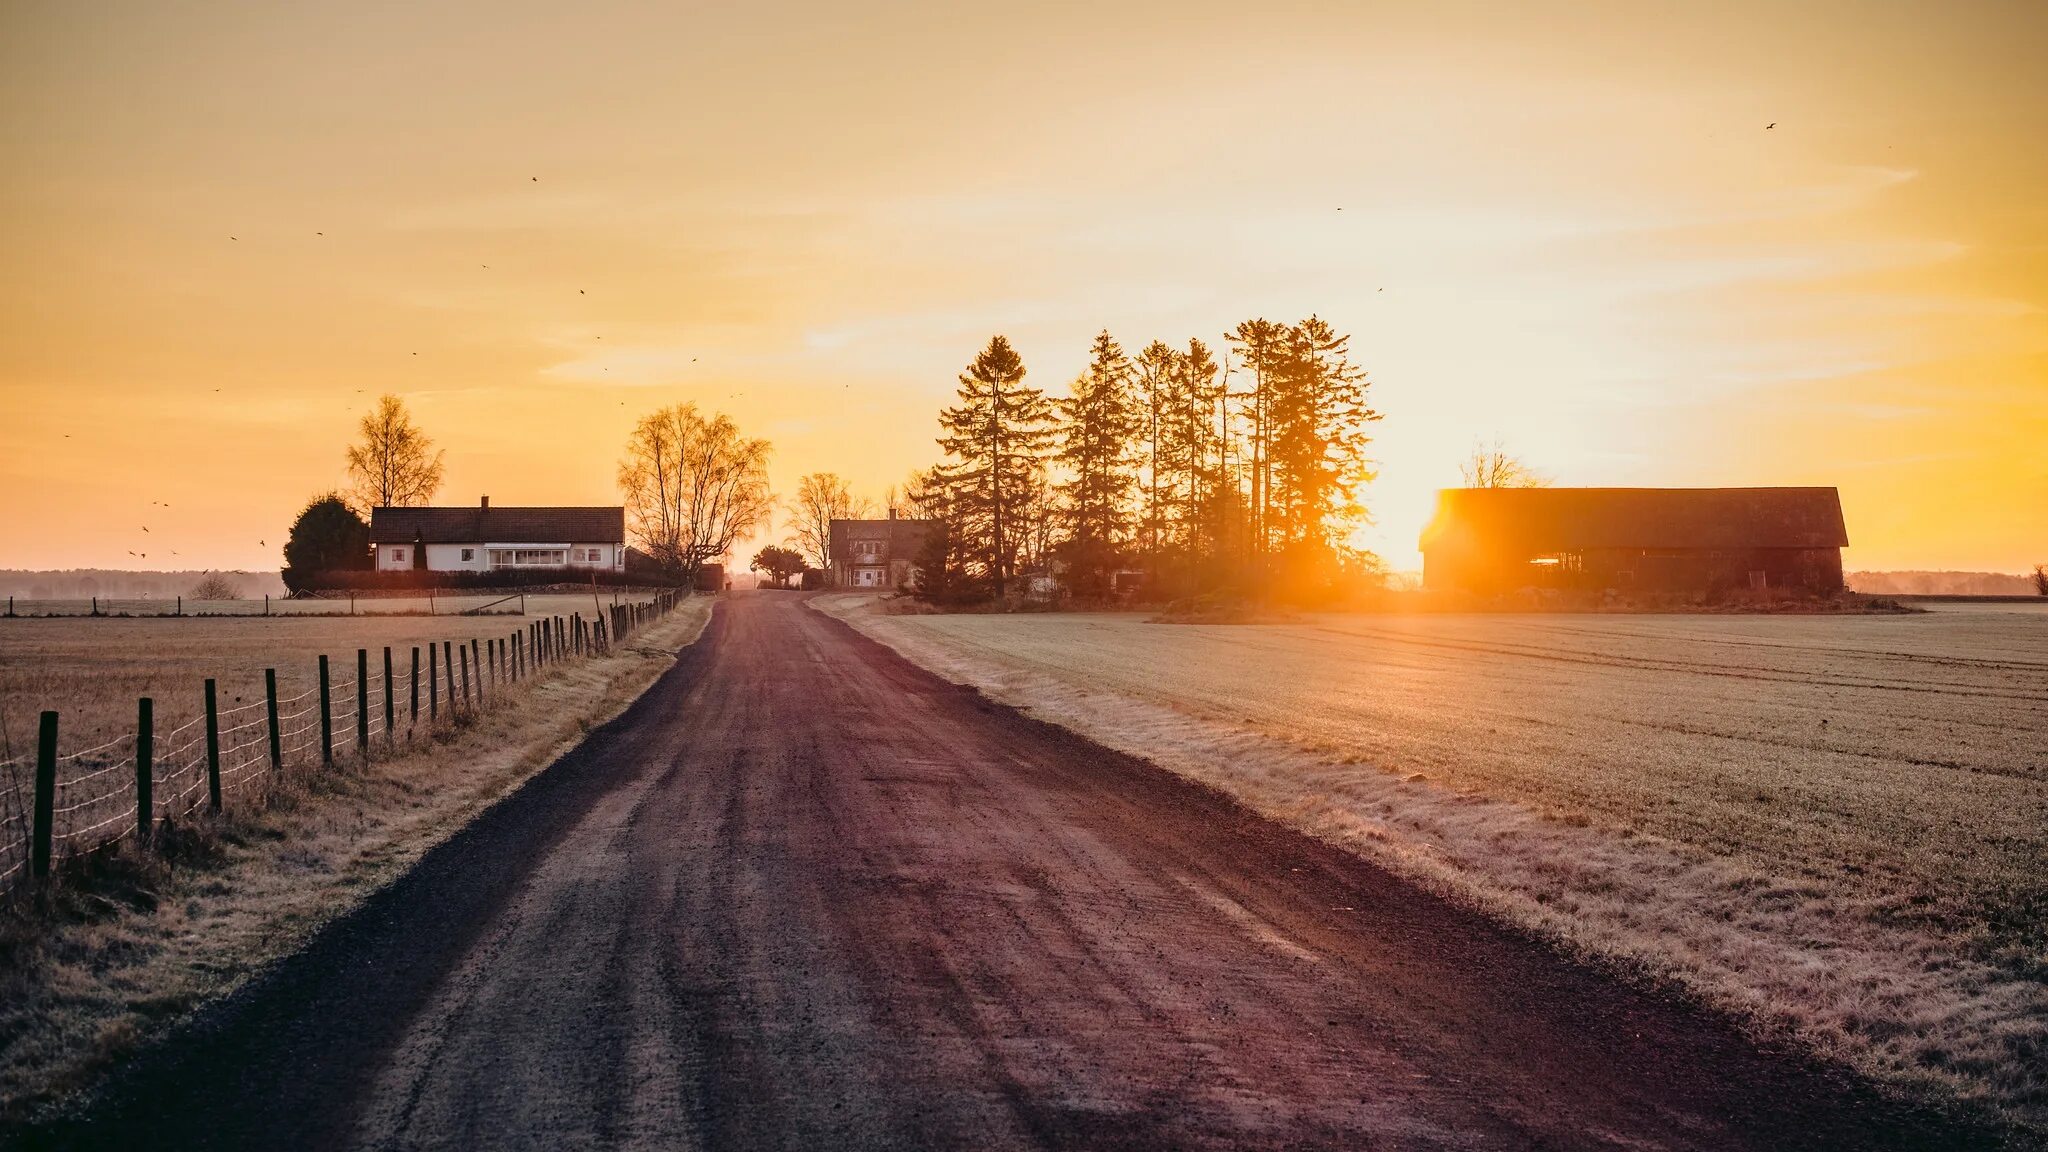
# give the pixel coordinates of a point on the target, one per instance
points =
(1835, 827)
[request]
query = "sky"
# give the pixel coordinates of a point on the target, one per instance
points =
(1736, 244)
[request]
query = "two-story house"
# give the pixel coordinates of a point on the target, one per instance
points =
(876, 553)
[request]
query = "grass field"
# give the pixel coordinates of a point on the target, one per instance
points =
(126, 945)
(1836, 825)
(91, 671)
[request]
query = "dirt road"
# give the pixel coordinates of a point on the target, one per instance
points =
(805, 895)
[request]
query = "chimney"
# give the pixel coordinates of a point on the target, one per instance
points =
(487, 502)
(892, 511)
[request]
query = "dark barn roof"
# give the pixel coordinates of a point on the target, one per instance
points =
(1576, 519)
(902, 537)
(604, 525)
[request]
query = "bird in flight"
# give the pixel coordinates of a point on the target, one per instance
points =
(1771, 125)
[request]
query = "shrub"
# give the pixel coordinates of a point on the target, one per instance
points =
(214, 586)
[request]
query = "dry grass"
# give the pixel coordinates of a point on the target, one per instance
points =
(1832, 826)
(132, 943)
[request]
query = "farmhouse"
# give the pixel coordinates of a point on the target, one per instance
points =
(1490, 540)
(484, 539)
(875, 553)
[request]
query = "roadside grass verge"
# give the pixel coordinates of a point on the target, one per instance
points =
(128, 943)
(1835, 830)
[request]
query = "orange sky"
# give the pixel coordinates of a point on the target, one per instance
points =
(228, 227)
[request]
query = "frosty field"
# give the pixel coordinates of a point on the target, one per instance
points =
(1832, 825)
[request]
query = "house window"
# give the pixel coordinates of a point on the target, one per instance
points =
(529, 557)
(592, 555)
(398, 555)
(468, 554)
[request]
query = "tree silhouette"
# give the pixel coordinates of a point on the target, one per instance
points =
(1318, 415)
(328, 536)
(1099, 422)
(995, 439)
(779, 563)
(393, 464)
(692, 487)
(1490, 466)
(821, 498)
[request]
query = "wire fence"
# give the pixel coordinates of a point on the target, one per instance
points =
(67, 805)
(408, 602)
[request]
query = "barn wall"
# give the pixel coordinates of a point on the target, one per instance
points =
(1636, 569)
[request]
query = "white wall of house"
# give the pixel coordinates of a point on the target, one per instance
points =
(477, 557)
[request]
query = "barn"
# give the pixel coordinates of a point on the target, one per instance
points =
(1492, 540)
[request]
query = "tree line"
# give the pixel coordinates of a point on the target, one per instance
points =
(1195, 473)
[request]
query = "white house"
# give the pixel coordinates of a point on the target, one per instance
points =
(486, 539)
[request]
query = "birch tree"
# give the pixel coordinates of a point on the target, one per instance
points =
(821, 498)
(393, 464)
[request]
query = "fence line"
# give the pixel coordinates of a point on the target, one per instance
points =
(70, 804)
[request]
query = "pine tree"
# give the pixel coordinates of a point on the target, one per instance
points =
(995, 439)
(1263, 344)
(1100, 421)
(1317, 416)
(1191, 447)
(1154, 382)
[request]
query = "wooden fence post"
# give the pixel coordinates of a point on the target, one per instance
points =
(415, 685)
(212, 748)
(276, 737)
(326, 718)
(467, 703)
(46, 797)
(476, 658)
(448, 670)
(389, 690)
(433, 683)
(145, 751)
(362, 701)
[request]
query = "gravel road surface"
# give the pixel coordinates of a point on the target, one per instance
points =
(804, 894)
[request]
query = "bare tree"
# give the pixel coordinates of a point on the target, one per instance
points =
(215, 586)
(693, 486)
(394, 465)
(2041, 579)
(821, 498)
(1490, 466)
